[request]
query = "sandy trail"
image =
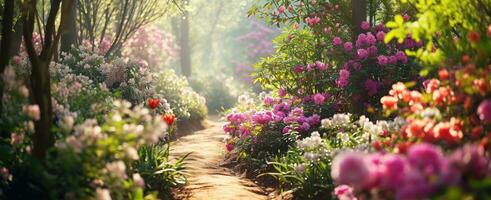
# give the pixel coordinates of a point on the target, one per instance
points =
(207, 180)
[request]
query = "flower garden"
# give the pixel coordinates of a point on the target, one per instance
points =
(325, 99)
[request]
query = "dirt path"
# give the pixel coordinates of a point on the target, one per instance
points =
(207, 180)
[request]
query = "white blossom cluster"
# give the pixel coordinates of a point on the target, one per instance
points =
(337, 121)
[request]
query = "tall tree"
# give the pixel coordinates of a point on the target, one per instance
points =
(117, 20)
(40, 83)
(7, 23)
(185, 53)
(69, 32)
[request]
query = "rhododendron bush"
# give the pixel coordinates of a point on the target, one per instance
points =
(153, 46)
(426, 85)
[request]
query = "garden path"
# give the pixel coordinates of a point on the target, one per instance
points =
(207, 179)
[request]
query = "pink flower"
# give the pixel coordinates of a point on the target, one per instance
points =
(229, 147)
(351, 168)
(426, 157)
(32, 111)
(361, 54)
(281, 10)
(320, 65)
(484, 110)
(268, 100)
(312, 21)
(382, 60)
(281, 92)
(290, 8)
(343, 79)
(348, 46)
(17, 60)
(380, 36)
(371, 39)
(371, 86)
(336, 41)
(365, 25)
(344, 192)
(298, 69)
(319, 99)
(372, 50)
(401, 56)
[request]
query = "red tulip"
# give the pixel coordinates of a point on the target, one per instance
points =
(153, 103)
(473, 36)
(169, 119)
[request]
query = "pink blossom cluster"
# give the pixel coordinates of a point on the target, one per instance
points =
(152, 45)
(416, 175)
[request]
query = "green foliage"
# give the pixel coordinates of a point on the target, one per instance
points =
(158, 172)
(220, 92)
(185, 102)
(445, 26)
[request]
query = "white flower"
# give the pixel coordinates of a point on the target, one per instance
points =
(67, 123)
(23, 91)
(131, 153)
(102, 194)
(138, 180)
(299, 168)
(117, 169)
(312, 157)
(74, 143)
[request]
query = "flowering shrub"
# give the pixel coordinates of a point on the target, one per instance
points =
(424, 172)
(305, 168)
(151, 45)
(359, 72)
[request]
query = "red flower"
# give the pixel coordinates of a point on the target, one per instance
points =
(169, 119)
(153, 103)
(443, 74)
(389, 102)
(489, 31)
(473, 36)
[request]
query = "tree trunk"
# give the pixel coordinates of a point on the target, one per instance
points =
(185, 53)
(69, 32)
(358, 14)
(16, 39)
(7, 22)
(41, 89)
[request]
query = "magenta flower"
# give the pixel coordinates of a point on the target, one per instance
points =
(319, 99)
(348, 46)
(343, 79)
(336, 41)
(371, 87)
(426, 157)
(361, 54)
(312, 21)
(298, 69)
(320, 65)
(484, 110)
(286, 130)
(380, 36)
(372, 50)
(371, 39)
(281, 92)
(268, 100)
(351, 169)
(382, 60)
(344, 192)
(401, 56)
(392, 60)
(395, 167)
(365, 25)
(361, 41)
(229, 147)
